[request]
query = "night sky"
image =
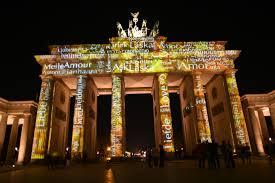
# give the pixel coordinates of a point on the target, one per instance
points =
(28, 29)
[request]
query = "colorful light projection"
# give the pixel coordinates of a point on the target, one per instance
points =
(117, 118)
(201, 109)
(165, 114)
(42, 119)
(79, 117)
(137, 55)
(238, 116)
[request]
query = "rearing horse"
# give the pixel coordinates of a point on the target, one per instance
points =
(121, 32)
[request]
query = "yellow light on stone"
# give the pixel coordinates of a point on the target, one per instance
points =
(165, 114)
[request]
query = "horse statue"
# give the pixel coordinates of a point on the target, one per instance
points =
(155, 30)
(144, 28)
(130, 29)
(121, 32)
(135, 17)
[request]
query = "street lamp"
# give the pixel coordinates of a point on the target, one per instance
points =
(108, 154)
(16, 149)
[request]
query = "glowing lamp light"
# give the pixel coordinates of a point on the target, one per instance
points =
(108, 158)
(269, 139)
(108, 148)
(13, 166)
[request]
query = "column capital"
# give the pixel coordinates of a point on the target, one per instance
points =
(118, 75)
(195, 72)
(83, 75)
(157, 74)
(3, 113)
(44, 77)
(251, 107)
(27, 114)
(13, 116)
(230, 71)
(259, 108)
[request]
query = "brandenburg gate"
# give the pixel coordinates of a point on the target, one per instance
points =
(138, 61)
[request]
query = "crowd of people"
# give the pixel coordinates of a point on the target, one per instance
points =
(154, 157)
(206, 152)
(55, 160)
(213, 151)
(244, 153)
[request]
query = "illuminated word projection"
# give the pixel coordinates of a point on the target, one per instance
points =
(42, 119)
(117, 118)
(137, 56)
(236, 106)
(79, 117)
(201, 109)
(124, 55)
(165, 114)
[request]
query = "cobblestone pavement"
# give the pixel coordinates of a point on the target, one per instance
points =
(134, 172)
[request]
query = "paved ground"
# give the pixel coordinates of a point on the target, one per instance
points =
(133, 172)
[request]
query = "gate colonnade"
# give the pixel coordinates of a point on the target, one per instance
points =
(16, 145)
(210, 102)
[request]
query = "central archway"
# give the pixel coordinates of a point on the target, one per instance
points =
(139, 122)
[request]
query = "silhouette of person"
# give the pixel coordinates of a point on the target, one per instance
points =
(224, 152)
(85, 157)
(67, 157)
(241, 152)
(269, 148)
(50, 160)
(199, 153)
(181, 156)
(229, 152)
(149, 157)
(161, 156)
(155, 157)
(247, 153)
(213, 155)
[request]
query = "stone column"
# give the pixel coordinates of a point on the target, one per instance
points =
(201, 109)
(3, 125)
(24, 138)
(272, 115)
(30, 138)
(157, 126)
(79, 117)
(43, 119)
(236, 107)
(91, 129)
(12, 142)
(263, 126)
(167, 139)
(256, 130)
(118, 138)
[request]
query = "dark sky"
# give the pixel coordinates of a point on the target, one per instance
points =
(28, 29)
